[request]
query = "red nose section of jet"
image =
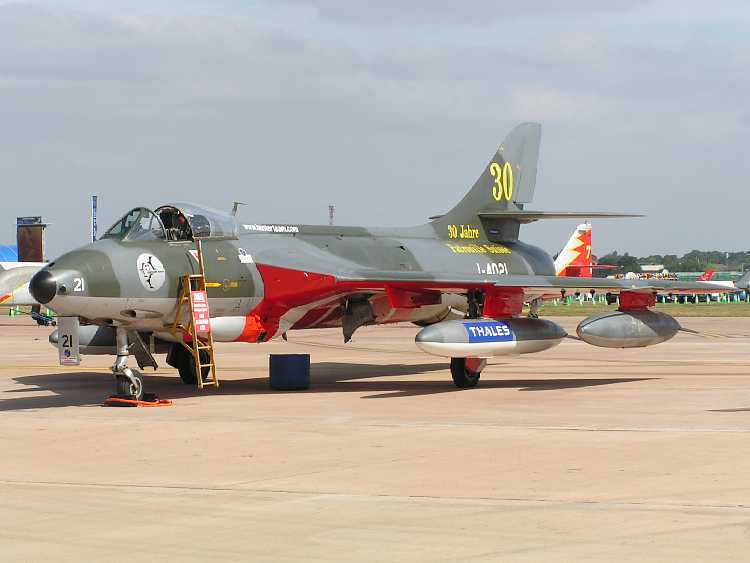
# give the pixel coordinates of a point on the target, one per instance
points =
(43, 286)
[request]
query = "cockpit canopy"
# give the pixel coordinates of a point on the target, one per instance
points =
(174, 223)
(139, 224)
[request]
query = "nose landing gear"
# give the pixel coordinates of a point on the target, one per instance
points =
(129, 383)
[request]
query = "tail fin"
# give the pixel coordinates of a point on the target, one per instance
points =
(744, 281)
(708, 275)
(575, 259)
(506, 183)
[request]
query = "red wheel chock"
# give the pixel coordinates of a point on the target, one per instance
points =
(148, 401)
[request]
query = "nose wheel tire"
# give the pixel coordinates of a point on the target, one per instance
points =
(466, 371)
(130, 387)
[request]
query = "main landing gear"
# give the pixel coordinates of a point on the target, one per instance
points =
(180, 357)
(466, 371)
(128, 381)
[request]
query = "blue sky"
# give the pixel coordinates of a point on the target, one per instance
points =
(388, 109)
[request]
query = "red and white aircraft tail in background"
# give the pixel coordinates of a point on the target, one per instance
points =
(575, 259)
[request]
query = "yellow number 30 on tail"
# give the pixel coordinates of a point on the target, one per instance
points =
(503, 187)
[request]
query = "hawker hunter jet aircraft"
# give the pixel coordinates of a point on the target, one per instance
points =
(464, 276)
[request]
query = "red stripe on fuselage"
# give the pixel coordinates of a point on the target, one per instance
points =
(315, 316)
(287, 289)
(284, 289)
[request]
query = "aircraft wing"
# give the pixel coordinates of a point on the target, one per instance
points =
(532, 285)
(549, 284)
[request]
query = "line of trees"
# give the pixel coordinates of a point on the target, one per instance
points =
(693, 261)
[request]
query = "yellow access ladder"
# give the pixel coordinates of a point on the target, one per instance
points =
(180, 327)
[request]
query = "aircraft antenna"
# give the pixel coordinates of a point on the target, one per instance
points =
(94, 206)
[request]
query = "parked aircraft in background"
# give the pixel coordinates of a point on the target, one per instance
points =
(575, 259)
(14, 283)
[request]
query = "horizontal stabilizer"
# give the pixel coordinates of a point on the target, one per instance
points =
(523, 216)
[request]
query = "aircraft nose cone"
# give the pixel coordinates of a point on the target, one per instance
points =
(43, 286)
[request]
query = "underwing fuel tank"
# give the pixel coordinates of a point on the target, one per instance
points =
(486, 338)
(627, 329)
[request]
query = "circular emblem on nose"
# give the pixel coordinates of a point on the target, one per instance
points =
(151, 272)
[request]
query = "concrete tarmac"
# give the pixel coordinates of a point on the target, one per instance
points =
(575, 454)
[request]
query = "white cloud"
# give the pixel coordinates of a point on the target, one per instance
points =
(546, 105)
(392, 128)
(477, 12)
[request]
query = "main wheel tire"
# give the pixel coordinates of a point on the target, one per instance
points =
(186, 365)
(130, 388)
(463, 376)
